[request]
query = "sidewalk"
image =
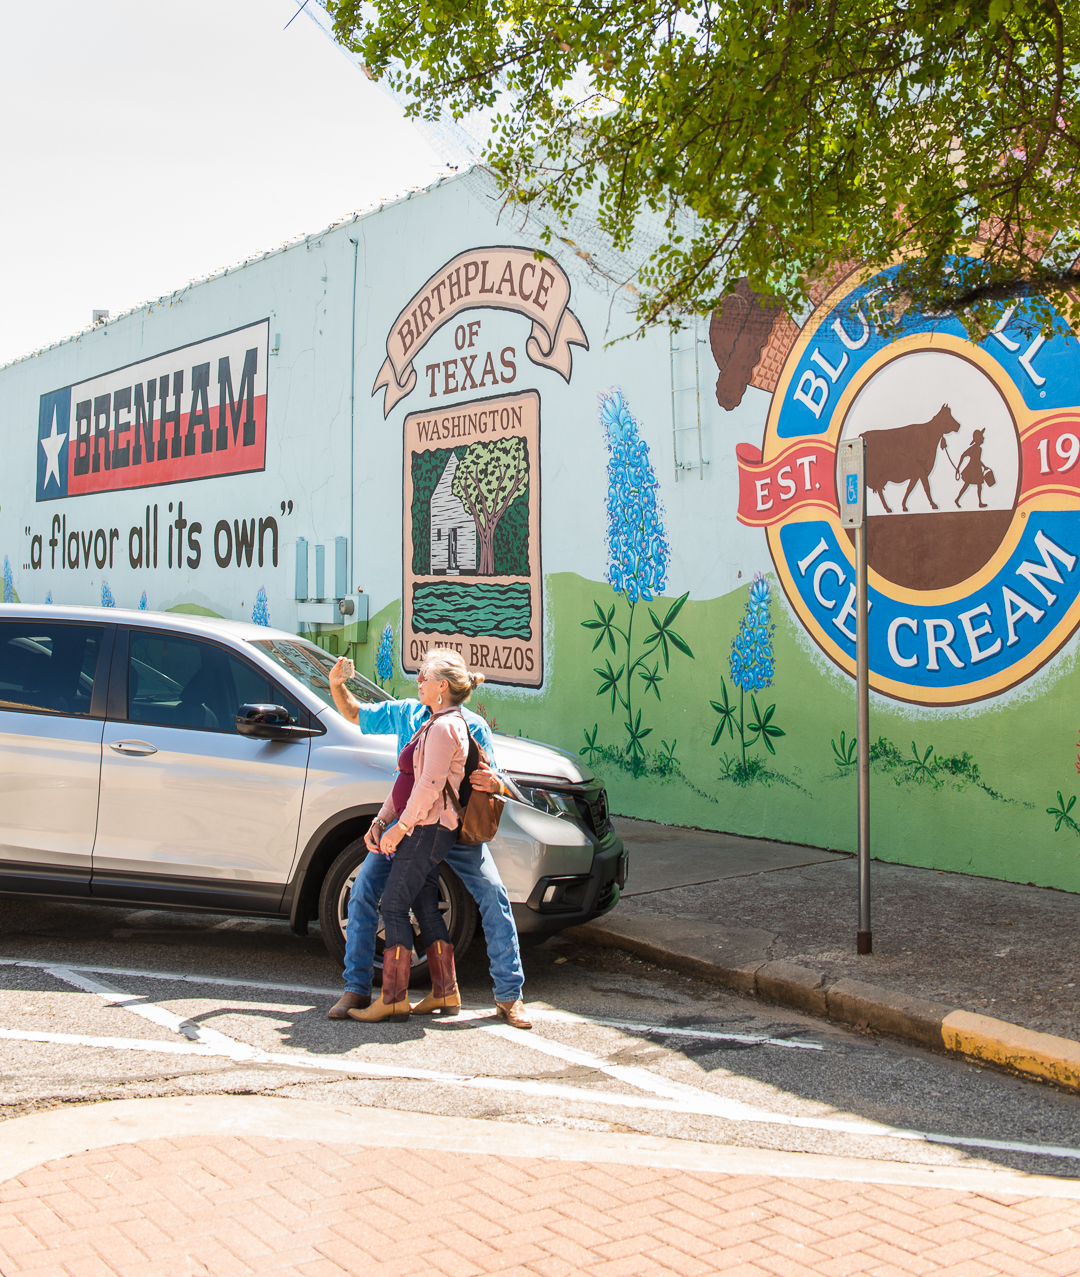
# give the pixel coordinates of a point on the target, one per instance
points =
(226, 1185)
(947, 940)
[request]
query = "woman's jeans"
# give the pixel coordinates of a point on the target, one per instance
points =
(480, 877)
(414, 884)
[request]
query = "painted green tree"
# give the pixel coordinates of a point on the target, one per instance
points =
(490, 476)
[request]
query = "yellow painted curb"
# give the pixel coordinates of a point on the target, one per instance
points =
(1040, 1054)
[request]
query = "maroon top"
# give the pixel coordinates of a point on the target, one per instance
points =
(403, 786)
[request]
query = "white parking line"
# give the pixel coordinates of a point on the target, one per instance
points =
(729, 1110)
(638, 1026)
(139, 1005)
(630, 1075)
(539, 1011)
(664, 1096)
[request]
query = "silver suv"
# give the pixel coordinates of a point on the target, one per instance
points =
(185, 762)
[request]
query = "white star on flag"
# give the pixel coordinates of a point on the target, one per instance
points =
(52, 443)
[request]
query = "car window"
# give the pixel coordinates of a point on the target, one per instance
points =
(312, 666)
(48, 666)
(175, 681)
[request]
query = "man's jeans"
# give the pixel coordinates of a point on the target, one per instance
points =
(477, 871)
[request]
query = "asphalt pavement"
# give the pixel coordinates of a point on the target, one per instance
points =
(1002, 949)
(101, 1003)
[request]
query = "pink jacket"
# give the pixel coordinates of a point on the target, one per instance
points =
(440, 757)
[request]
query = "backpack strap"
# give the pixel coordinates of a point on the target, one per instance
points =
(460, 800)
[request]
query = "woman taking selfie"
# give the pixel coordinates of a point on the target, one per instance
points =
(425, 825)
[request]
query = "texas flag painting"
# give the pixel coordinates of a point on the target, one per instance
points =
(196, 412)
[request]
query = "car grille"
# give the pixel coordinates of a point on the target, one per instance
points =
(607, 897)
(593, 806)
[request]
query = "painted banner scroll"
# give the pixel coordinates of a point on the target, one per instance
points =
(493, 278)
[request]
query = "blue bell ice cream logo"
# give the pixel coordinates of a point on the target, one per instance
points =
(972, 455)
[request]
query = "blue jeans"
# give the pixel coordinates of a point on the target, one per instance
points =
(414, 884)
(478, 874)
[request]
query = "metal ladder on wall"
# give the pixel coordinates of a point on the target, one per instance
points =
(686, 412)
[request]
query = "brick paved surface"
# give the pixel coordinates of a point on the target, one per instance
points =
(193, 1207)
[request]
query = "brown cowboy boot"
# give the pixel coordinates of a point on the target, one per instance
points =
(393, 1003)
(514, 1014)
(339, 1011)
(444, 998)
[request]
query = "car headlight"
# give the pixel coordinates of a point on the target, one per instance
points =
(551, 801)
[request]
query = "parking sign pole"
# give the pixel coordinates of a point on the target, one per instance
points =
(852, 474)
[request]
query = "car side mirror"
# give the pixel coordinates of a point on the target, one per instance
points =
(270, 722)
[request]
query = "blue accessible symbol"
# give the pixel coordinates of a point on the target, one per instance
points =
(851, 494)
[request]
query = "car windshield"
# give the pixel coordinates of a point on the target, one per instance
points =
(312, 666)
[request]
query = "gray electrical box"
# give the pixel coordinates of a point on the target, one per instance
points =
(300, 568)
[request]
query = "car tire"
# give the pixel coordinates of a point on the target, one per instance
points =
(457, 906)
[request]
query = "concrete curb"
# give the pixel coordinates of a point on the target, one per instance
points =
(39, 1138)
(695, 945)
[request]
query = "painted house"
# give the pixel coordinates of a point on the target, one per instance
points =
(453, 529)
(657, 580)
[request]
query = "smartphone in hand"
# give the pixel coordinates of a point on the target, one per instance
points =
(348, 668)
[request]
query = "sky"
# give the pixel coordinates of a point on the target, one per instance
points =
(148, 142)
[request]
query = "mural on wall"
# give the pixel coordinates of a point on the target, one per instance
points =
(260, 611)
(638, 555)
(973, 458)
(471, 536)
(153, 422)
(493, 278)
(752, 666)
(384, 656)
(471, 510)
(973, 488)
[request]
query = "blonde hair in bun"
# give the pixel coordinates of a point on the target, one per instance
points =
(443, 664)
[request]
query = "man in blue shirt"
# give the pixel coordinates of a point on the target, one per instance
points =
(473, 865)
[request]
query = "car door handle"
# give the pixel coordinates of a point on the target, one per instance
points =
(136, 748)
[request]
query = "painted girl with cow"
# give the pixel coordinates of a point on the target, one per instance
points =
(907, 454)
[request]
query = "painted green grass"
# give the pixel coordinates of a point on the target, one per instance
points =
(980, 807)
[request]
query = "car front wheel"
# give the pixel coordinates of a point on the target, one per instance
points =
(457, 907)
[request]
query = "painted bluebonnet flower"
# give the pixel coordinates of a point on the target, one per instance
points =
(384, 657)
(107, 599)
(9, 582)
(48, 596)
(753, 662)
(638, 549)
(260, 613)
(142, 602)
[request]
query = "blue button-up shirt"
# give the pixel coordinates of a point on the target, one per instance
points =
(405, 717)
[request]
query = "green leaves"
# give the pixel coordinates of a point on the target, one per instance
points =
(727, 714)
(845, 755)
(603, 623)
(652, 680)
(770, 143)
(591, 749)
(637, 734)
(609, 682)
(664, 635)
(760, 726)
(619, 684)
(1061, 811)
(921, 767)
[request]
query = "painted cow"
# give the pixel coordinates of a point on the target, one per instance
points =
(907, 454)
